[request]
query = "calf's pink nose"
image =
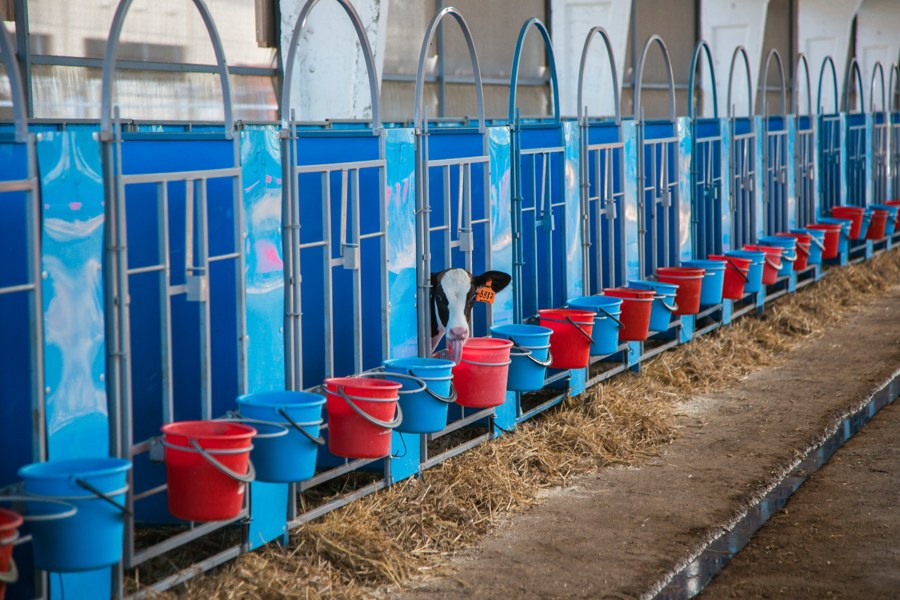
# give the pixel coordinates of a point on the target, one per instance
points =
(459, 332)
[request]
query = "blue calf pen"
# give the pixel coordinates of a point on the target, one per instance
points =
(154, 272)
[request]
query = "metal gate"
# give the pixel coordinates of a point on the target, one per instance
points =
(335, 258)
(857, 139)
(657, 175)
(453, 216)
(805, 145)
(602, 182)
(893, 110)
(775, 158)
(742, 170)
(706, 166)
(829, 145)
(174, 281)
(880, 133)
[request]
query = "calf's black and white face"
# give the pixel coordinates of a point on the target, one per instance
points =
(452, 297)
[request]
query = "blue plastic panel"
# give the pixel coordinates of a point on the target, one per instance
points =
(630, 212)
(685, 214)
(400, 197)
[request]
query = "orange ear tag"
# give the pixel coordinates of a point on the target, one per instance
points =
(485, 295)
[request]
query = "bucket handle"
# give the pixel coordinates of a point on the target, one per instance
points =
(527, 353)
(235, 416)
(791, 258)
(671, 307)
(251, 471)
(318, 441)
(70, 511)
(12, 574)
(805, 250)
(818, 243)
(393, 424)
(102, 495)
(772, 264)
(578, 327)
(739, 270)
(451, 399)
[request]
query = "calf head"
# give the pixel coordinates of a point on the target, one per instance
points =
(452, 297)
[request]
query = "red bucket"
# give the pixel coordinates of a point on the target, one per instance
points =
(207, 468)
(570, 342)
(362, 413)
(803, 242)
(879, 222)
(772, 264)
(481, 375)
(689, 281)
(854, 214)
(9, 524)
(636, 307)
(736, 271)
(832, 237)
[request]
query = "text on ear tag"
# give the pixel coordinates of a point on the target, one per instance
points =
(485, 295)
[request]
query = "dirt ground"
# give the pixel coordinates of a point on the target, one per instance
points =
(616, 533)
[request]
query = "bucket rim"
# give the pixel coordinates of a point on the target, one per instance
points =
(574, 313)
(172, 429)
(433, 363)
(250, 399)
(770, 249)
(697, 272)
(485, 343)
(653, 285)
(66, 468)
(536, 330)
(628, 290)
(708, 264)
(369, 382)
(823, 226)
(594, 300)
(13, 521)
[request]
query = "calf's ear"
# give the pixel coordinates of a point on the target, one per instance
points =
(496, 280)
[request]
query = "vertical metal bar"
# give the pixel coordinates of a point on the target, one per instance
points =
(357, 273)
(328, 292)
(23, 52)
(188, 228)
(204, 305)
(466, 183)
(296, 265)
(382, 256)
(447, 221)
(287, 245)
(165, 306)
(240, 299)
(535, 298)
(546, 205)
(441, 64)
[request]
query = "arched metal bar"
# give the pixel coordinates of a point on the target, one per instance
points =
(639, 74)
(764, 82)
(877, 69)
(514, 78)
(8, 54)
(360, 29)
(473, 56)
(612, 69)
(894, 82)
(795, 99)
(853, 69)
(828, 61)
(740, 50)
(109, 65)
(702, 45)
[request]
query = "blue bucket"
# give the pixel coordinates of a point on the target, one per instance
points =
(891, 224)
(866, 221)
(426, 394)
(663, 302)
(530, 356)
(844, 239)
(606, 323)
(816, 244)
(713, 280)
(755, 272)
(788, 252)
(92, 537)
(287, 439)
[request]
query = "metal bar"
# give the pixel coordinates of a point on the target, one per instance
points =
(25, 287)
(150, 492)
(223, 257)
(477, 416)
(139, 65)
(446, 162)
(541, 408)
(427, 464)
(21, 185)
(340, 166)
(186, 176)
(206, 378)
(337, 503)
(165, 305)
(176, 541)
(335, 472)
(328, 292)
(357, 277)
(187, 574)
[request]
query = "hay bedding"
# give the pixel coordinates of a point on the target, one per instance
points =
(410, 528)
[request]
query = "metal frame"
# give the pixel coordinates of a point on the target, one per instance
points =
(742, 170)
(196, 287)
(894, 142)
(805, 167)
(527, 163)
(425, 227)
(829, 144)
(657, 179)
(880, 135)
(351, 239)
(857, 146)
(706, 176)
(775, 156)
